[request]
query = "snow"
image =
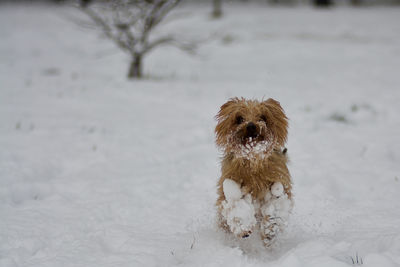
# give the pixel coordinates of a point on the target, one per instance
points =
(96, 170)
(277, 189)
(231, 190)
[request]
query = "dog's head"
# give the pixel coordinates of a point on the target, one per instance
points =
(250, 127)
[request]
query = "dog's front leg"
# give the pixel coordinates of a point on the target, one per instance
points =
(275, 212)
(237, 209)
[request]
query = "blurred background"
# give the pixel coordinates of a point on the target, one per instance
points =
(107, 129)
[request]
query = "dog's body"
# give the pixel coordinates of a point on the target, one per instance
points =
(255, 186)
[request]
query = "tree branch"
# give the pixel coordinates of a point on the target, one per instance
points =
(187, 47)
(157, 42)
(162, 9)
(107, 30)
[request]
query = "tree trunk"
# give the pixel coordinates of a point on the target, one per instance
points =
(322, 3)
(217, 8)
(135, 69)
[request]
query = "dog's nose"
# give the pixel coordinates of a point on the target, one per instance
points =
(251, 127)
(251, 130)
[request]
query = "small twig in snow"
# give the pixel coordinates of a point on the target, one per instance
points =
(194, 241)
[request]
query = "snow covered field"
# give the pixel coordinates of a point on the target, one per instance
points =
(96, 170)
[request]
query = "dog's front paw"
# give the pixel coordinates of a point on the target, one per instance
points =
(244, 234)
(241, 227)
(231, 190)
(270, 227)
(277, 189)
(275, 212)
(240, 216)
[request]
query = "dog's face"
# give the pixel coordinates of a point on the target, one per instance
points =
(249, 127)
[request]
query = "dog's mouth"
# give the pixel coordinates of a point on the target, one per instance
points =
(253, 148)
(254, 144)
(249, 133)
(252, 137)
(251, 140)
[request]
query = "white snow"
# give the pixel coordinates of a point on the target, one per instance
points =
(98, 171)
(231, 190)
(277, 189)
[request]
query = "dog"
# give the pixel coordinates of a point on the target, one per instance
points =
(255, 187)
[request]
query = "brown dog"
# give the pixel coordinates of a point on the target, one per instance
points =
(255, 186)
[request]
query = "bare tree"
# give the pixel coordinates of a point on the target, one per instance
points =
(129, 24)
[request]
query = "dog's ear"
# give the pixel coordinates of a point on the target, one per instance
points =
(223, 127)
(277, 119)
(226, 109)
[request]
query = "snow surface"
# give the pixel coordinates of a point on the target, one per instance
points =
(96, 170)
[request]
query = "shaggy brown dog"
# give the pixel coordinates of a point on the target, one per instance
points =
(255, 186)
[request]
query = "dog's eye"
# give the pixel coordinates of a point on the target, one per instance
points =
(263, 118)
(239, 119)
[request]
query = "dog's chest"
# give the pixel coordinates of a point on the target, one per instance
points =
(258, 186)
